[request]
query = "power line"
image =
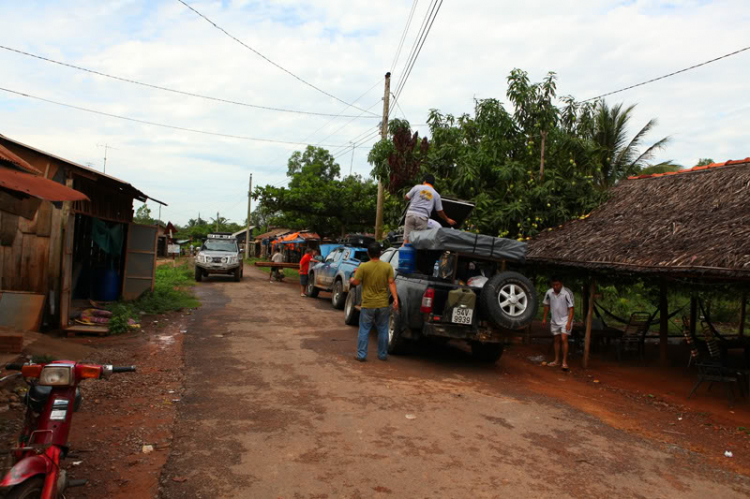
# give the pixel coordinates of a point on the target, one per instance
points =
(166, 89)
(668, 75)
(345, 124)
(267, 59)
(403, 35)
(426, 32)
(162, 125)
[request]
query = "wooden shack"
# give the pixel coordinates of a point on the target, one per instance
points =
(77, 251)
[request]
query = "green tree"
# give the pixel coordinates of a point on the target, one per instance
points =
(704, 162)
(664, 167)
(317, 199)
(143, 215)
(613, 155)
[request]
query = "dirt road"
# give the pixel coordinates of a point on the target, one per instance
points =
(274, 405)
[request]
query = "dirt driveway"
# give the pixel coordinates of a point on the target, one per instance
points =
(275, 406)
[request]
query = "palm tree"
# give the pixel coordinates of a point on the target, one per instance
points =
(614, 156)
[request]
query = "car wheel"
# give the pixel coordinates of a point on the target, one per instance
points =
(509, 300)
(237, 275)
(312, 291)
(396, 342)
(198, 274)
(487, 352)
(351, 314)
(338, 297)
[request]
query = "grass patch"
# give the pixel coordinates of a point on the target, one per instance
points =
(170, 293)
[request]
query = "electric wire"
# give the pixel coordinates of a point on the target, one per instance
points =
(267, 59)
(181, 92)
(668, 75)
(162, 125)
(403, 35)
(402, 82)
(345, 125)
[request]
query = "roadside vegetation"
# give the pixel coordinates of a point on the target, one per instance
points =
(171, 292)
(288, 273)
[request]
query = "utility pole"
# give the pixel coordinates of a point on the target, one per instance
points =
(106, 147)
(217, 221)
(351, 163)
(247, 231)
(384, 136)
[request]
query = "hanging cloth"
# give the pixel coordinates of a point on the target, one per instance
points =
(109, 239)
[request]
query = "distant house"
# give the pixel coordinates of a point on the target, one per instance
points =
(79, 249)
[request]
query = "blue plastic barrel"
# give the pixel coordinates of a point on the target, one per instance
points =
(107, 284)
(407, 259)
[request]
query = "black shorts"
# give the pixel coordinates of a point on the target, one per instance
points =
(303, 279)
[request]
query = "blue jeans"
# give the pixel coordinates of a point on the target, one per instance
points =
(379, 318)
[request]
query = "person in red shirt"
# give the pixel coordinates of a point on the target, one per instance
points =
(304, 267)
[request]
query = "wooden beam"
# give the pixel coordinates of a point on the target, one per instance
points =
(743, 304)
(589, 320)
(693, 315)
(663, 324)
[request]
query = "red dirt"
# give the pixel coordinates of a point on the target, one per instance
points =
(646, 400)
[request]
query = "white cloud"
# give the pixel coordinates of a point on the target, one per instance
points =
(345, 47)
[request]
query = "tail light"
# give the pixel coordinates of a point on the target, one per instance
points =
(427, 299)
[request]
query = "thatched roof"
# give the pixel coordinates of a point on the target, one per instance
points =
(693, 222)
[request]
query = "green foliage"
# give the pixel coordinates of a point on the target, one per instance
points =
(199, 229)
(317, 198)
(143, 215)
(169, 294)
(704, 162)
(664, 167)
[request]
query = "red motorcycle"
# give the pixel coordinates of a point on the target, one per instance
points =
(52, 399)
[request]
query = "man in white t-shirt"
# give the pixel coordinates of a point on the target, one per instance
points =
(560, 301)
(422, 199)
(276, 258)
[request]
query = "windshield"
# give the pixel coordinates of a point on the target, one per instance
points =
(220, 245)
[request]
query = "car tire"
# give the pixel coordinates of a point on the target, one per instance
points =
(509, 301)
(198, 274)
(237, 275)
(397, 344)
(338, 297)
(311, 290)
(351, 314)
(487, 352)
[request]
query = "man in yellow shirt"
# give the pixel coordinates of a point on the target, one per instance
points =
(376, 278)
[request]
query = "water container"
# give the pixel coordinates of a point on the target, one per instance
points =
(107, 285)
(407, 259)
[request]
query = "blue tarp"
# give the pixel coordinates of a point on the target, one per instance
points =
(325, 249)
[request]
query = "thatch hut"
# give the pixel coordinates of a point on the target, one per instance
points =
(692, 224)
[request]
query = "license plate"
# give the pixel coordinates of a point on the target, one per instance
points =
(462, 315)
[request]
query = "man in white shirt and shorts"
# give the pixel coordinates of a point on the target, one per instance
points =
(560, 301)
(422, 199)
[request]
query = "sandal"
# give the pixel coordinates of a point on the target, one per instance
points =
(565, 368)
(553, 364)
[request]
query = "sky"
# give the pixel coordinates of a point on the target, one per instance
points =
(344, 47)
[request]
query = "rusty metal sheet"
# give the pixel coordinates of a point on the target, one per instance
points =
(21, 311)
(38, 187)
(10, 157)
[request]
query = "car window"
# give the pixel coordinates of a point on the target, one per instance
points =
(361, 256)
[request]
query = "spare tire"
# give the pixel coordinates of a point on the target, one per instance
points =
(509, 301)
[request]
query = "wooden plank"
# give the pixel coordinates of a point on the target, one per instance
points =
(743, 304)
(16, 259)
(21, 311)
(43, 220)
(38, 269)
(8, 229)
(23, 207)
(283, 265)
(693, 315)
(589, 320)
(66, 271)
(81, 328)
(27, 251)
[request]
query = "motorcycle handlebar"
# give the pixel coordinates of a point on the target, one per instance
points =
(14, 367)
(123, 369)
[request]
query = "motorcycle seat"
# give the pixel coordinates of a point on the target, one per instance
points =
(37, 397)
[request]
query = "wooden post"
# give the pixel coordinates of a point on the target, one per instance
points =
(663, 324)
(383, 137)
(741, 330)
(693, 315)
(589, 320)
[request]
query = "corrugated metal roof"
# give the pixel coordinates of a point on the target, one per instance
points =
(11, 157)
(38, 187)
(140, 196)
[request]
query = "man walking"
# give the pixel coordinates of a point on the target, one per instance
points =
(560, 301)
(422, 199)
(276, 258)
(304, 267)
(376, 278)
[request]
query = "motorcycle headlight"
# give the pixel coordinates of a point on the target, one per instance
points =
(56, 376)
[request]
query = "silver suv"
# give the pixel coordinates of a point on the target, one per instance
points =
(219, 255)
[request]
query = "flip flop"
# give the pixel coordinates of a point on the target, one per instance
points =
(553, 364)
(565, 368)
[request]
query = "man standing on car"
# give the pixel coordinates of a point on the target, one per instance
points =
(560, 301)
(422, 199)
(376, 278)
(304, 266)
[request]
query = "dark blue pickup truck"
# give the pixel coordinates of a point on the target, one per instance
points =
(333, 274)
